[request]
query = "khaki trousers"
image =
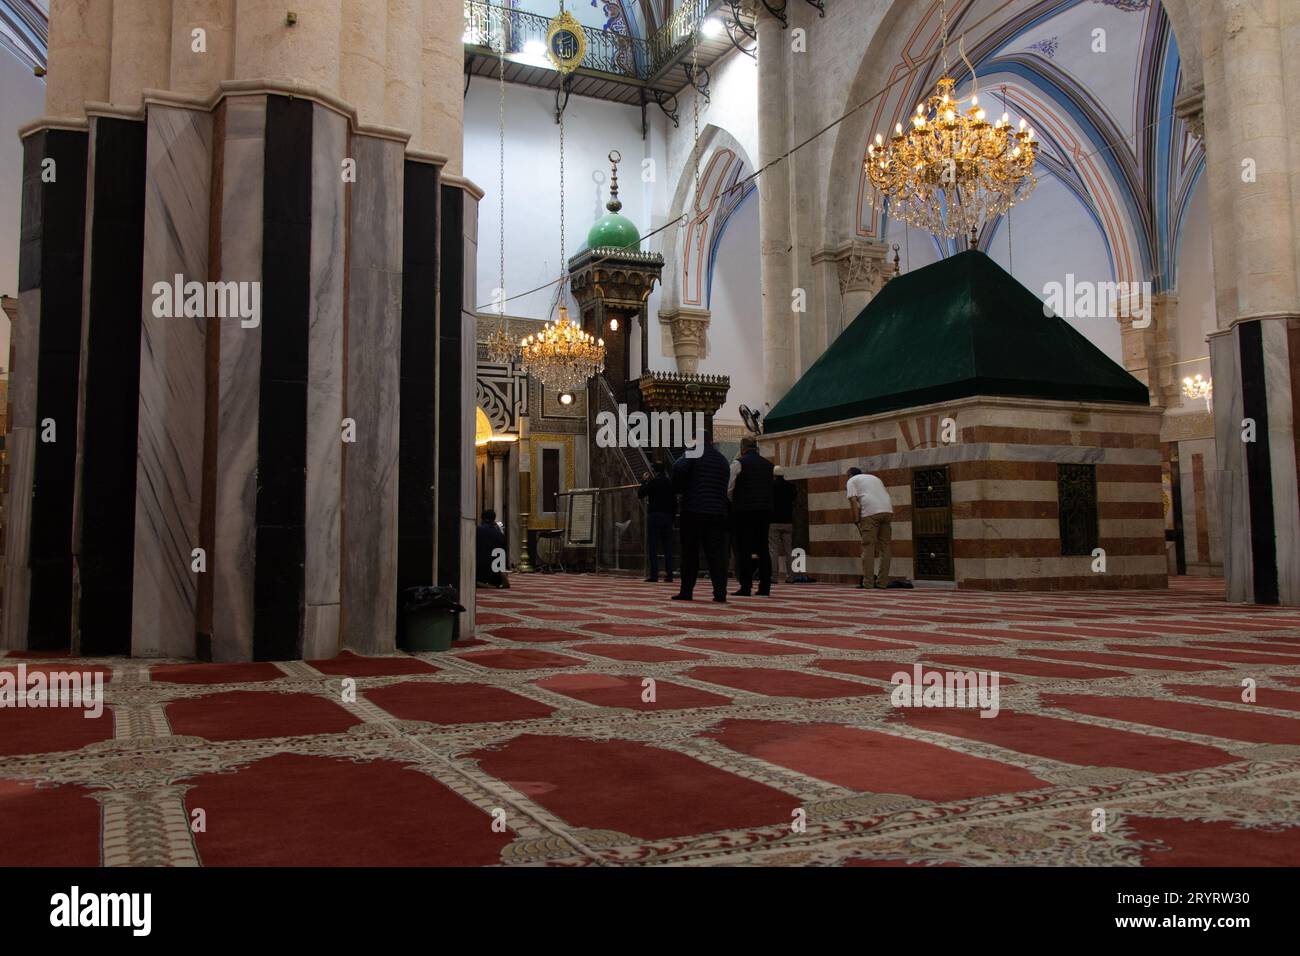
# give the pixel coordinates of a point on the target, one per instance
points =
(780, 541)
(876, 539)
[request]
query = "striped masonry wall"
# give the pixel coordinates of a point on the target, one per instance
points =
(1002, 469)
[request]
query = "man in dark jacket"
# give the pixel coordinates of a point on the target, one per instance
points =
(489, 552)
(780, 534)
(750, 490)
(661, 506)
(702, 483)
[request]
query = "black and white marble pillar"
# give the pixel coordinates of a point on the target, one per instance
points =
(1255, 365)
(169, 445)
(264, 489)
(42, 450)
(103, 543)
(371, 395)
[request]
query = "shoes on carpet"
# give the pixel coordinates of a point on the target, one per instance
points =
(682, 597)
(763, 593)
(741, 593)
(651, 580)
(860, 585)
(669, 579)
(719, 599)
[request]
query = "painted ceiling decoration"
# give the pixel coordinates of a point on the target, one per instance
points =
(24, 30)
(1120, 151)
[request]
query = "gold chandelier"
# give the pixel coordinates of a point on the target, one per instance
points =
(1199, 387)
(562, 356)
(952, 169)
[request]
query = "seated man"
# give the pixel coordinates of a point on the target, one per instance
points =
(490, 552)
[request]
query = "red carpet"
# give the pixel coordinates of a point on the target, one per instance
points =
(245, 715)
(317, 811)
(772, 739)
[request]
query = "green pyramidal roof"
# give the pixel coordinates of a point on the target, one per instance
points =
(957, 328)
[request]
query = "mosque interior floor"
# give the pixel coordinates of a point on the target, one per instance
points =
(593, 721)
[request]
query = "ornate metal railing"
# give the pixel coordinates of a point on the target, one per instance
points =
(676, 32)
(607, 51)
(525, 32)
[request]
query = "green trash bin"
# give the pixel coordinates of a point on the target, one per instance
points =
(428, 619)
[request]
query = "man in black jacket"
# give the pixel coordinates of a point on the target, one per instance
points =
(750, 490)
(489, 552)
(702, 483)
(661, 506)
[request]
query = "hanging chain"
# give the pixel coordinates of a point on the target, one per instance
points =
(695, 106)
(501, 166)
(564, 266)
(943, 20)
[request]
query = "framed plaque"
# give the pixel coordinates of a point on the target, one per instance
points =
(580, 525)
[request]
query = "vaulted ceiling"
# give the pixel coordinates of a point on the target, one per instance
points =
(24, 30)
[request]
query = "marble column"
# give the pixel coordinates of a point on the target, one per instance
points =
(107, 426)
(498, 453)
(178, 177)
(468, 372)
(239, 201)
(1256, 218)
(323, 557)
(371, 393)
(779, 326)
(44, 392)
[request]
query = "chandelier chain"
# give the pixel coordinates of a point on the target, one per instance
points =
(695, 108)
(501, 347)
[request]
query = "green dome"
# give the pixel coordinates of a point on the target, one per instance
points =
(614, 231)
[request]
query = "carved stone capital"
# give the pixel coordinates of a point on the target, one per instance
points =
(687, 330)
(1190, 107)
(860, 265)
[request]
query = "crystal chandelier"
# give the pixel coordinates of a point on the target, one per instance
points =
(562, 356)
(952, 169)
(1199, 388)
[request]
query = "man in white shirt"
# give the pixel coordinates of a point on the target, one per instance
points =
(873, 513)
